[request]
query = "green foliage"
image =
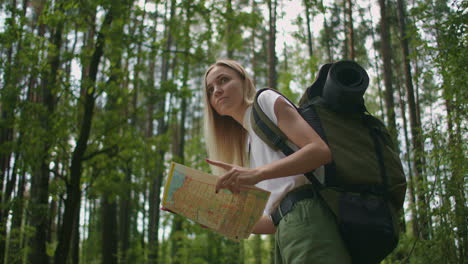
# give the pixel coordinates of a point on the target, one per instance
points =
(137, 125)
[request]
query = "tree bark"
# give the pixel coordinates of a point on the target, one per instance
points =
(377, 70)
(40, 178)
(421, 227)
(179, 150)
(327, 41)
(272, 76)
(9, 98)
(229, 32)
(158, 100)
(109, 228)
(257, 249)
(350, 30)
(73, 190)
(309, 32)
(115, 51)
(387, 68)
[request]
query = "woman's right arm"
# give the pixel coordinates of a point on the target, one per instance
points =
(264, 226)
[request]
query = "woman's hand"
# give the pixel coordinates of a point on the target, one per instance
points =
(235, 176)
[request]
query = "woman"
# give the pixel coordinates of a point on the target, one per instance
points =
(306, 232)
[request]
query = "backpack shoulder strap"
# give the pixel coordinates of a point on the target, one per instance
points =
(272, 135)
(266, 129)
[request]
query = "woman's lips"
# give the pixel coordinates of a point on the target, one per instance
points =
(221, 99)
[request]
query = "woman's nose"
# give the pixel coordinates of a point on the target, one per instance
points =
(217, 90)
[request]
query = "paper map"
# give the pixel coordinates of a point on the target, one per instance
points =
(191, 193)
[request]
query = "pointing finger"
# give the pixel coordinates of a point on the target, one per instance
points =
(221, 183)
(220, 164)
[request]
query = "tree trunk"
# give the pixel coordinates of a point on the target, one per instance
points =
(125, 217)
(257, 249)
(109, 228)
(73, 197)
(272, 241)
(229, 32)
(158, 100)
(387, 68)
(422, 226)
(307, 6)
(377, 69)
(9, 98)
(327, 41)
(115, 51)
(18, 205)
(40, 178)
(75, 252)
(350, 30)
(272, 76)
(179, 150)
(457, 178)
(411, 199)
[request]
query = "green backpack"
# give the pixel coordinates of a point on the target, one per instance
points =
(364, 184)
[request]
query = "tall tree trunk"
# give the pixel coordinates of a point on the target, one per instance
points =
(9, 98)
(271, 239)
(307, 5)
(350, 29)
(272, 76)
(415, 124)
(116, 48)
(125, 217)
(40, 178)
(386, 51)
(75, 252)
(157, 167)
(257, 249)
(229, 32)
(377, 69)
(457, 178)
(421, 224)
(409, 177)
(327, 41)
(73, 191)
(179, 150)
(151, 230)
(15, 254)
(109, 227)
(455, 106)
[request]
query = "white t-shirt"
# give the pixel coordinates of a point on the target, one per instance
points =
(261, 154)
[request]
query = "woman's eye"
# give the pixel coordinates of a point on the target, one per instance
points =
(224, 80)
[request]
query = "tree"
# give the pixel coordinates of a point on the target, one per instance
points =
(72, 201)
(40, 177)
(158, 100)
(386, 52)
(307, 5)
(349, 29)
(272, 77)
(415, 123)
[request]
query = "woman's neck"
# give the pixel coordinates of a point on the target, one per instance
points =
(238, 115)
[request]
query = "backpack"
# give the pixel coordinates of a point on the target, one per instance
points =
(364, 186)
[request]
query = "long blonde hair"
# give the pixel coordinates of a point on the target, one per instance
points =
(225, 137)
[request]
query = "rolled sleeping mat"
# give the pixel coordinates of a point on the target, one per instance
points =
(346, 84)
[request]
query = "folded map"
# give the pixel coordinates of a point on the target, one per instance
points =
(191, 193)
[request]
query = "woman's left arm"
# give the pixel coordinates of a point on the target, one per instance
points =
(313, 152)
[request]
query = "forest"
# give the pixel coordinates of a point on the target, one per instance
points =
(98, 96)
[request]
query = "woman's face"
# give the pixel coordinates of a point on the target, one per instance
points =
(225, 90)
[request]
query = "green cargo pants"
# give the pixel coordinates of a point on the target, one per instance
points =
(309, 234)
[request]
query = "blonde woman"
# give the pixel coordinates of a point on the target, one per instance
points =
(306, 231)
